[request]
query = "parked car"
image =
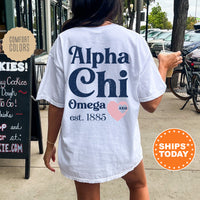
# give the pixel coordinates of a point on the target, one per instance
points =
(191, 47)
(143, 32)
(194, 55)
(191, 42)
(157, 47)
(153, 34)
(191, 37)
(197, 26)
(160, 39)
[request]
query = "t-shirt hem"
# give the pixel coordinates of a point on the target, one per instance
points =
(154, 96)
(101, 180)
(51, 101)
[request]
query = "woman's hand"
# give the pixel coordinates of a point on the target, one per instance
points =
(49, 154)
(54, 122)
(170, 60)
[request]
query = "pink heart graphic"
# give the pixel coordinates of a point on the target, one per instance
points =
(117, 110)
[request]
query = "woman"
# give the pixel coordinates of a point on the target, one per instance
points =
(97, 76)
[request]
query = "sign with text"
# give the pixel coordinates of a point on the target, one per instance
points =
(15, 108)
(19, 44)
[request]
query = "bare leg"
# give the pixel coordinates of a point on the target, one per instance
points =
(86, 191)
(137, 184)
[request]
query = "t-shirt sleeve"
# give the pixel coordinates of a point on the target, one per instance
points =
(150, 85)
(53, 83)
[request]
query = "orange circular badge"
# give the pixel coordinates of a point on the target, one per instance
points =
(174, 149)
(19, 44)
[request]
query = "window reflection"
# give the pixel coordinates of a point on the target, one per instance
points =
(59, 14)
(31, 14)
(2, 20)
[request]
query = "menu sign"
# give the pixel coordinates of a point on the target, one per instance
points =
(15, 108)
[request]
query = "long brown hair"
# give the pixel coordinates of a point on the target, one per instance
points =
(91, 13)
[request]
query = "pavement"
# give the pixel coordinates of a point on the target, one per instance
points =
(163, 184)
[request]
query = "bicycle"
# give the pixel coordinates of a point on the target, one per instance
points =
(185, 82)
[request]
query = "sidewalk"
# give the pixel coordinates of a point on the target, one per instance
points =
(163, 184)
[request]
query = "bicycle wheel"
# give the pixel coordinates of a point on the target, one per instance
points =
(178, 85)
(196, 95)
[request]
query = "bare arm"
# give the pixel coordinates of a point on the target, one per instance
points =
(166, 62)
(54, 122)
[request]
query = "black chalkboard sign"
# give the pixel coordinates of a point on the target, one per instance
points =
(16, 109)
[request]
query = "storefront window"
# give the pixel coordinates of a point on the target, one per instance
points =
(31, 14)
(64, 15)
(58, 17)
(54, 20)
(65, 1)
(2, 20)
(39, 23)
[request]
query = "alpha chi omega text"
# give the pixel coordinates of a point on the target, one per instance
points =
(99, 79)
(82, 57)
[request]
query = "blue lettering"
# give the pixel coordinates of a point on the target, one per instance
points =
(73, 82)
(123, 84)
(96, 58)
(101, 85)
(83, 106)
(123, 58)
(112, 55)
(77, 54)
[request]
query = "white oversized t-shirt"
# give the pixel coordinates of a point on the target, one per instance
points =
(99, 76)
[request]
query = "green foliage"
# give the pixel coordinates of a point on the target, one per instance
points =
(129, 9)
(158, 19)
(168, 25)
(127, 2)
(144, 27)
(190, 23)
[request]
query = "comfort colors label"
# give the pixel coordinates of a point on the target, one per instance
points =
(19, 44)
